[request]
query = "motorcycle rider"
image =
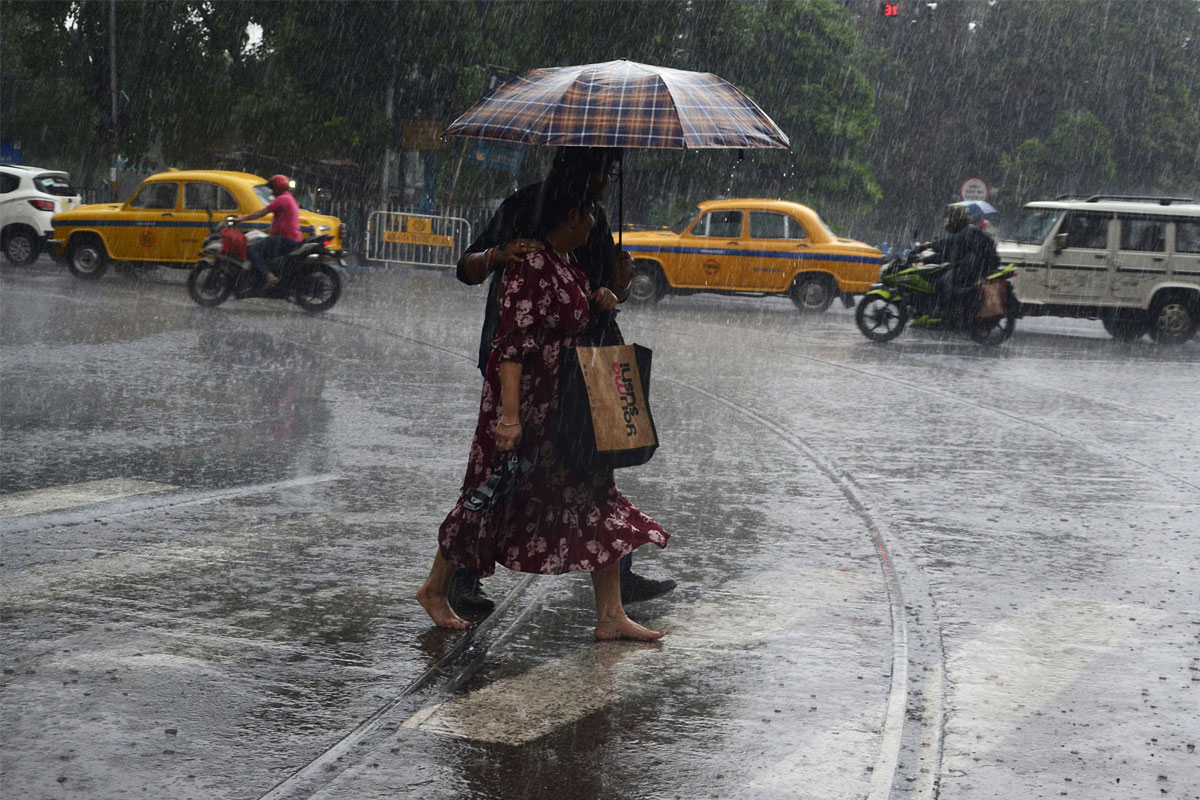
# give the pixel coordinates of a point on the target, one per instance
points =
(971, 254)
(284, 234)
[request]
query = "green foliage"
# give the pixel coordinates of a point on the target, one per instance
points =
(1076, 156)
(885, 115)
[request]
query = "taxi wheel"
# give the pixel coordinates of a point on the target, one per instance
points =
(647, 283)
(812, 294)
(86, 258)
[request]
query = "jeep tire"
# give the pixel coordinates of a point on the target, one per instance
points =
(1173, 317)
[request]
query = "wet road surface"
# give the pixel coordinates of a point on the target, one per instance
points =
(916, 570)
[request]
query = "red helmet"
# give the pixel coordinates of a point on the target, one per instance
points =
(279, 184)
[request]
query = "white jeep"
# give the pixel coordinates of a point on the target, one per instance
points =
(1131, 262)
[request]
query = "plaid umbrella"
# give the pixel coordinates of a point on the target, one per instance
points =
(620, 104)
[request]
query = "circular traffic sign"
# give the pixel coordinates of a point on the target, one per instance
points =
(974, 189)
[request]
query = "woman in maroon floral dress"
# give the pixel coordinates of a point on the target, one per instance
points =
(557, 519)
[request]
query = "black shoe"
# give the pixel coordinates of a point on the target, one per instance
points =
(635, 588)
(467, 596)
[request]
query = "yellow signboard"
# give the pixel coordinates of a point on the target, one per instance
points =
(417, 230)
(430, 239)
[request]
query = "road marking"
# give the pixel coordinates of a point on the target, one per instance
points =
(525, 707)
(74, 495)
(1019, 665)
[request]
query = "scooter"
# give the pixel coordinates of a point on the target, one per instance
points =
(310, 275)
(906, 291)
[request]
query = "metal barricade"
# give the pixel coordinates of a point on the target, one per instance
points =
(395, 237)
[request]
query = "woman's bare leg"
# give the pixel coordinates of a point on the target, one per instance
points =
(434, 595)
(611, 622)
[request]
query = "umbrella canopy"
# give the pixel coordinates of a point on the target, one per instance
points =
(976, 208)
(620, 104)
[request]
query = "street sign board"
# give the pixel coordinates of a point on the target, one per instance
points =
(974, 189)
(421, 135)
(10, 151)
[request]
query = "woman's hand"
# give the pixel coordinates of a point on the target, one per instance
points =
(507, 433)
(603, 299)
(514, 250)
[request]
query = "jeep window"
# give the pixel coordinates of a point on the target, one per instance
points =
(773, 225)
(1036, 224)
(8, 183)
(208, 196)
(156, 196)
(1087, 229)
(1143, 234)
(719, 224)
(56, 185)
(1187, 236)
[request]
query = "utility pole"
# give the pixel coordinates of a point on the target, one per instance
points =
(384, 187)
(112, 92)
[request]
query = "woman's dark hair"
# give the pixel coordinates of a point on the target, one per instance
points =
(560, 194)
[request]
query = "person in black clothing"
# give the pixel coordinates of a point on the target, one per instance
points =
(971, 254)
(505, 239)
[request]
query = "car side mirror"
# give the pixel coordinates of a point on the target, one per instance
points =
(1060, 243)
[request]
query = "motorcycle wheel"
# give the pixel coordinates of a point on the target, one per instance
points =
(880, 320)
(318, 289)
(208, 285)
(995, 332)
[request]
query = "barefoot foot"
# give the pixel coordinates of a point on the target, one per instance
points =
(625, 628)
(439, 610)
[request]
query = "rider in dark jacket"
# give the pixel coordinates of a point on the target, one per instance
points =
(971, 254)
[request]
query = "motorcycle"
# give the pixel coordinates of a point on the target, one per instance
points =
(906, 291)
(310, 275)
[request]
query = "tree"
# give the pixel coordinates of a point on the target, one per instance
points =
(1076, 157)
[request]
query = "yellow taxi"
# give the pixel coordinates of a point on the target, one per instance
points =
(166, 220)
(751, 246)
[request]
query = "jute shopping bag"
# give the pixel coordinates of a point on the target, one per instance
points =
(605, 418)
(992, 295)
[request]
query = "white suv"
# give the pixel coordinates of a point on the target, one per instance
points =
(1131, 262)
(29, 197)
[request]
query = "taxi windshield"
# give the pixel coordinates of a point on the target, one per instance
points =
(680, 225)
(1035, 224)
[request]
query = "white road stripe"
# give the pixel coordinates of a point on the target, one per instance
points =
(526, 707)
(1019, 665)
(57, 498)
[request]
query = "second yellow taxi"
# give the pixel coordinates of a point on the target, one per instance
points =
(751, 246)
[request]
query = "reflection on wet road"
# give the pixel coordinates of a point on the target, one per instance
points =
(913, 571)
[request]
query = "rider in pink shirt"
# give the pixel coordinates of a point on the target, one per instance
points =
(285, 226)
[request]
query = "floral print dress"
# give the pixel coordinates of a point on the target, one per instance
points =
(558, 519)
